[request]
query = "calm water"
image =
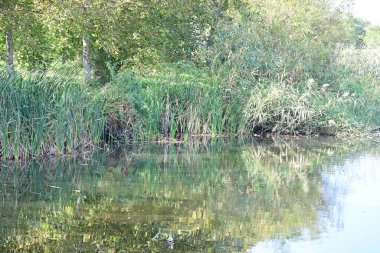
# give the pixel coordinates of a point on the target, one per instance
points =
(272, 195)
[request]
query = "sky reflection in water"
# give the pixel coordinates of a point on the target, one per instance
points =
(261, 195)
(356, 221)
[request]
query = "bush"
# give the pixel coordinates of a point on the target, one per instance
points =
(277, 42)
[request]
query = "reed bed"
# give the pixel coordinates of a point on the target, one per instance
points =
(176, 102)
(42, 115)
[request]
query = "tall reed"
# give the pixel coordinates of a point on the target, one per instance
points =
(174, 102)
(41, 115)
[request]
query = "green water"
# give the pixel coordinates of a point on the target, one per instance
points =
(260, 195)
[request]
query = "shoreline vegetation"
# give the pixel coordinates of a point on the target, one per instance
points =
(218, 69)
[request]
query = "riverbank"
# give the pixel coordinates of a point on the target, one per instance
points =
(210, 68)
(52, 114)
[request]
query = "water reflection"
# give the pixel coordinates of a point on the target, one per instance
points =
(219, 196)
(353, 227)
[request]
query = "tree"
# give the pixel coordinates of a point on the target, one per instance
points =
(20, 26)
(9, 49)
(126, 33)
(86, 45)
(7, 18)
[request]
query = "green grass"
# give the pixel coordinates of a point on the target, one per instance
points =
(171, 102)
(180, 101)
(53, 114)
(42, 115)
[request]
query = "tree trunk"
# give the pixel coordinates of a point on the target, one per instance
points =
(218, 6)
(86, 58)
(9, 46)
(86, 44)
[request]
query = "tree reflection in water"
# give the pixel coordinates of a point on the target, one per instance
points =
(218, 196)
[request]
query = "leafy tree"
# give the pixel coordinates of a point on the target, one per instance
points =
(127, 33)
(356, 31)
(372, 37)
(22, 28)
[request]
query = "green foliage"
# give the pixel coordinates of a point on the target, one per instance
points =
(359, 73)
(278, 42)
(125, 33)
(179, 101)
(28, 32)
(173, 69)
(171, 101)
(372, 37)
(42, 115)
(283, 109)
(356, 30)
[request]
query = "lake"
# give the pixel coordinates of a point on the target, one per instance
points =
(221, 195)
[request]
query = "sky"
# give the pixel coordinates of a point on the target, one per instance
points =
(367, 9)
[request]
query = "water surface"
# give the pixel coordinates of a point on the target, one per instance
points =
(260, 195)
